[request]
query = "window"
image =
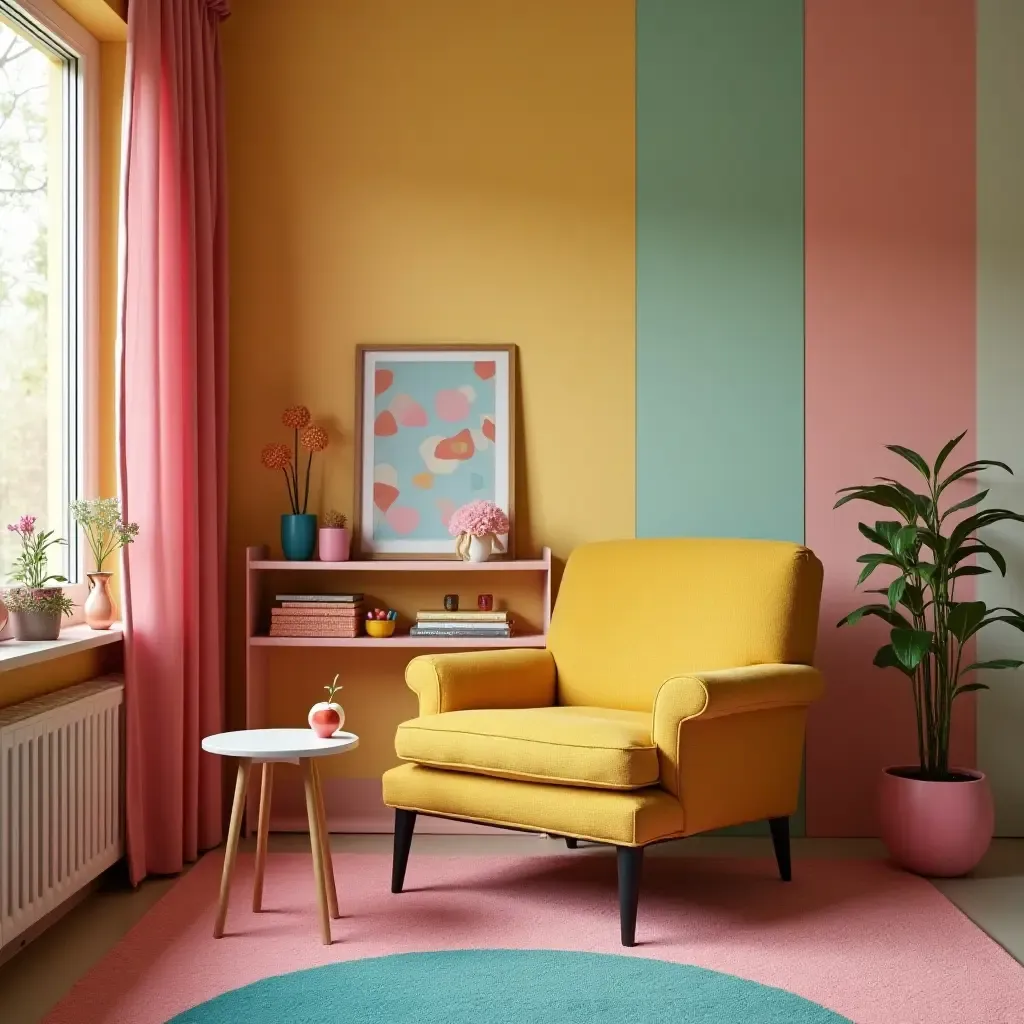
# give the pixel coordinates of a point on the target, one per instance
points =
(47, 278)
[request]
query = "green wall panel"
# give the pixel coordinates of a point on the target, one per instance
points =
(720, 333)
(720, 270)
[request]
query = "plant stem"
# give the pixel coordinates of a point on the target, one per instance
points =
(291, 497)
(305, 498)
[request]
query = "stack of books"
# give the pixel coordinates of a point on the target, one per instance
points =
(462, 624)
(339, 615)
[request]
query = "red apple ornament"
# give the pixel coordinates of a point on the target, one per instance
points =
(326, 717)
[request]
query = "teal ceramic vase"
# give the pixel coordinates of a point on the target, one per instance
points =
(298, 537)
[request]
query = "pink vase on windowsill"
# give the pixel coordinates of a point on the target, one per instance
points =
(99, 610)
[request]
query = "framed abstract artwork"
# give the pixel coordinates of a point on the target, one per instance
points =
(434, 430)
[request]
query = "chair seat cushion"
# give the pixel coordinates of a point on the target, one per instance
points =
(577, 746)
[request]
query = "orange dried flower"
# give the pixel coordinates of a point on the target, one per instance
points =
(295, 417)
(314, 439)
(276, 456)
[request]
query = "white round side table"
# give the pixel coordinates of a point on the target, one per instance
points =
(267, 747)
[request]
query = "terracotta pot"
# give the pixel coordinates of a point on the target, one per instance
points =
(942, 829)
(335, 543)
(99, 608)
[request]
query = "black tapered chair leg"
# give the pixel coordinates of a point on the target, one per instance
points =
(780, 840)
(630, 860)
(405, 822)
(571, 843)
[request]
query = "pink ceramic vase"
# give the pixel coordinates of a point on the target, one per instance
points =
(335, 542)
(941, 829)
(99, 610)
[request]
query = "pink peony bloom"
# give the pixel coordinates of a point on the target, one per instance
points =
(477, 519)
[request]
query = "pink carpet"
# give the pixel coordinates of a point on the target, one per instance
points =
(858, 937)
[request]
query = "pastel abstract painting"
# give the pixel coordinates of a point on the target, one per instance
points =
(435, 434)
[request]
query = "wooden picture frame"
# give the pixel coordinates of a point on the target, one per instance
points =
(417, 409)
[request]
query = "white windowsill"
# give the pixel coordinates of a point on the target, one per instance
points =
(19, 653)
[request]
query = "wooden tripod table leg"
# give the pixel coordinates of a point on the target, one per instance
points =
(325, 845)
(309, 778)
(266, 790)
(231, 850)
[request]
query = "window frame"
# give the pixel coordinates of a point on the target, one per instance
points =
(81, 428)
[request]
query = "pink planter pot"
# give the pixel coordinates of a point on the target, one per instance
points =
(334, 543)
(942, 829)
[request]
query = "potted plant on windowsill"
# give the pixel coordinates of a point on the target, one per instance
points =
(35, 609)
(937, 818)
(106, 532)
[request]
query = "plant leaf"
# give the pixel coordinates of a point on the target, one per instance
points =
(965, 617)
(896, 590)
(872, 562)
(995, 663)
(967, 688)
(881, 494)
(911, 646)
(885, 657)
(904, 540)
(882, 611)
(913, 458)
(872, 535)
(971, 467)
(974, 499)
(944, 454)
(979, 548)
(969, 570)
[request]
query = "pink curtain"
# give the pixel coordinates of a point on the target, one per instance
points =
(173, 427)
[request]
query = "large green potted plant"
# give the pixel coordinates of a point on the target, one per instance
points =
(937, 818)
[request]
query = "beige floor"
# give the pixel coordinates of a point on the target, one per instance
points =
(45, 970)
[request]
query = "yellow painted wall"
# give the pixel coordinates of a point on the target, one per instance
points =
(414, 172)
(21, 684)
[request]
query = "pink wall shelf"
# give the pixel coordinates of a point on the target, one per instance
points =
(261, 573)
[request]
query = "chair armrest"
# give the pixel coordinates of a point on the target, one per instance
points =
(482, 679)
(732, 691)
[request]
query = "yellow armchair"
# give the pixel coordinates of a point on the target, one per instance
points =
(632, 727)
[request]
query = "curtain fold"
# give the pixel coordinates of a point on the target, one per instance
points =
(173, 427)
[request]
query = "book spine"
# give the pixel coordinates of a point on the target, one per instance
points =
(321, 605)
(469, 627)
(348, 634)
(463, 633)
(462, 616)
(320, 598)
(313, 613)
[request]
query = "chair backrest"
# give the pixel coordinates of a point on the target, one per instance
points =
(631, 613)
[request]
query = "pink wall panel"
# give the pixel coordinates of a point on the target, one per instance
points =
(890, 336)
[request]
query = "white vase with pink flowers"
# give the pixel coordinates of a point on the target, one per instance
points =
(478, 528)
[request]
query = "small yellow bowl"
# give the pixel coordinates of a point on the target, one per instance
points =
(380, 628)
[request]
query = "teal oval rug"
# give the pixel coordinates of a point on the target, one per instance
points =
(507, 986)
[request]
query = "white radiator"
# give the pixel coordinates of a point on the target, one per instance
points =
(60, 798)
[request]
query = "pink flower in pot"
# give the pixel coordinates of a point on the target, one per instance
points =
(476, 528)
(35, 608)
(326, 717)
(937, 818)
